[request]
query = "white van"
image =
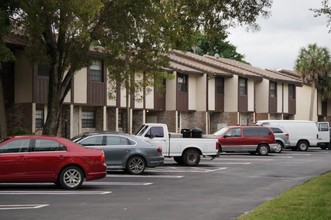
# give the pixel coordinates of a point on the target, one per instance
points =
(302, 133)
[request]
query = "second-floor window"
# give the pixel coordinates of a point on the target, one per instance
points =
(96, 71)
(219, 86)
(182, 82)
(291, 91)
(88, 120)
(242, 86)
(273, 89)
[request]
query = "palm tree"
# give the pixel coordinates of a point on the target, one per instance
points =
(313, 64)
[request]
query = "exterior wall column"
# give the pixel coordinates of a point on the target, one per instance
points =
(33, 116)
(104, 118)
(116, 119)
(71, 127)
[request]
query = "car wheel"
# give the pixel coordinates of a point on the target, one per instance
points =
(280, 147)
(136, 165)
(191, 157)
(71, 177)
(178, 160)
(263, 149)
(303, 146)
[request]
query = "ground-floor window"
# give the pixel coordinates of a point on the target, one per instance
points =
(88, 119)
(39, 118)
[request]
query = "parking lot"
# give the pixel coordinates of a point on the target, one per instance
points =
(223, 188)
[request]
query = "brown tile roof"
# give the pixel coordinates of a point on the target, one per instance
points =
(268, 74)
(210, 66)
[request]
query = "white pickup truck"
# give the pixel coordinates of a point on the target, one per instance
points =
(185, 150)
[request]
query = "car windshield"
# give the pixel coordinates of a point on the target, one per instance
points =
(141, 130)
(78, 138)
(220, 132)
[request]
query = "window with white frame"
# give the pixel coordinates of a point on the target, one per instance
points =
(273, 89)
(182, 82)
(88, 119)
(242, 86)
(96, 71)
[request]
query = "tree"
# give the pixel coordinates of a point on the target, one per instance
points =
(218, 45)
(325, 10)
(5, 56)
(314, 64)
(141, 32)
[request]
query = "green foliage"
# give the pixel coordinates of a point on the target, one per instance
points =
(310, 200)
(219, 45)
(19, 131)
(135, 36)
(313, 63)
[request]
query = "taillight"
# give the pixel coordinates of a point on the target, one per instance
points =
(102, 157)
(159, 149)
(287, 136)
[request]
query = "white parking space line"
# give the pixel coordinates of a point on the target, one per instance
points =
(245, 159)
(144, 176)
(187, 170)
(229, 163)
(76, 192)
(118, 184)
(29, 206)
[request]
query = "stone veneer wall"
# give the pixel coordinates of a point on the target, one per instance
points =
(19, 115)
(261, 116)
(137, 119)
(225, 118)
(246, 118)
(99, 118)
(111, 119)
(166, 117)
(76, 121)
(192, 120)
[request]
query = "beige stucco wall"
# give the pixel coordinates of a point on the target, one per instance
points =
(192, 92)
(139, 93)
(211, 94)
(285, 98)
(250, 94)
(262, 94)
(231, 94)
(149, 98)
(171, 93)
(303, 95)
(23, 78)
(319, 104)
(201, 93)
(80, 86)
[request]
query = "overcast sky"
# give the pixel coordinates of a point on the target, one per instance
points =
(291, 26)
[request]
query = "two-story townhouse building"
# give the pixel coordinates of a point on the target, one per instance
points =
(205, 92)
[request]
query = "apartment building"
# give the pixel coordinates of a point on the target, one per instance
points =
(205, 92)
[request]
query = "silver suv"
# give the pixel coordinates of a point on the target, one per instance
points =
(281, 137)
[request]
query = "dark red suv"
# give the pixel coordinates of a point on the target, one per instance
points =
(252, 139)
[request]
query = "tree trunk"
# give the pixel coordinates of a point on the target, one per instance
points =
(3, 118)
(312, 100)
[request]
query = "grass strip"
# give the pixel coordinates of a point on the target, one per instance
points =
(311, 200)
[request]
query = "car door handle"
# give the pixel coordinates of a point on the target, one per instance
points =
(127, 150)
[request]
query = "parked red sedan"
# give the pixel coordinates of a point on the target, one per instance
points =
(32, 158)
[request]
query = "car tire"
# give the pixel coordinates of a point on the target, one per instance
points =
(263, 149)
(178, 160)
(302, 146)
(136, 165)
(71, 177)
(280, 147)
(191, 157)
